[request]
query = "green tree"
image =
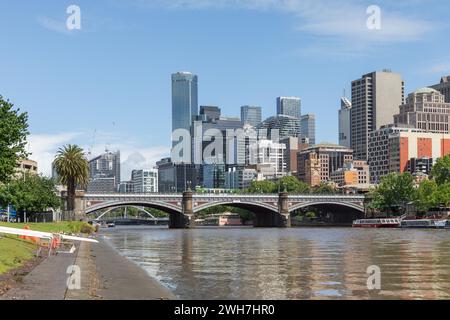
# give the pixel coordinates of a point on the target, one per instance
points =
(426, 197)
(73, 170)
(13, 134)
(395, 191)
(263, 187)
(324, 188)
(441, 170)
(443, 195)
(33, 194)
(293, 185)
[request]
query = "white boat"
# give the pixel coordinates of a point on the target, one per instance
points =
(419, 224)
(377, 223)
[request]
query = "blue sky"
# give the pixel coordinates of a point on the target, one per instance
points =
(109, 83)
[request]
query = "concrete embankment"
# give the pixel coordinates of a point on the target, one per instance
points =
(104, 275)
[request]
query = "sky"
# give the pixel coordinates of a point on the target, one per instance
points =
(107, 85)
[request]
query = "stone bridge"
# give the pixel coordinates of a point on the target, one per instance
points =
(270, 210)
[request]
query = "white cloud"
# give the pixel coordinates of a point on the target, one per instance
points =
(53, 24)
(140, 159)
(340, 25)
(43, 148)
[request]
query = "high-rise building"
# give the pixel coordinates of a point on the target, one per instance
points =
(375, 99)
(444, 88)
(316, 163)
(177, 177)
(184, 100)
(104, 173)
(289, 106)
(308, 128)
(213, 176)
(293, 145)
(251, 115)
(209, 113)
(345, 123)
(287, 126)
(240, 178)
(145, 181)
(126, 187)
(425, 109)
(391, 148)
(270, 158)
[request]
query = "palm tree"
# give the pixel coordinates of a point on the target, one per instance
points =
(73, 170)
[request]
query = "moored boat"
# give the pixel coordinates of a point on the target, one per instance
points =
(420, 224)
(377, 223)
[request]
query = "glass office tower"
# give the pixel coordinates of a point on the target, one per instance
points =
(184, 100)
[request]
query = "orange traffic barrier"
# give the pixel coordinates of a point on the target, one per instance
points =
(33, 239)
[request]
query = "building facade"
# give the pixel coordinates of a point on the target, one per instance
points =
(444, 88)
(375, 99)
(26, 166)
(289, 106)
(177, 177)
(209, 113)
(240, 178)
(126, 187)
(287, 126)
(391, 149)
(251, 115)
(104, 173)
(354, 174)
(316, 163)
(308, 128)
(425, 109)
(345, 123)
(145, 181)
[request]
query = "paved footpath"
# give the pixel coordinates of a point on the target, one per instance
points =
(105, 275)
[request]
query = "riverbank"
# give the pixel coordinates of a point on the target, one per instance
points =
(104, 275)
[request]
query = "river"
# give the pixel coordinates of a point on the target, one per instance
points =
(295, 263)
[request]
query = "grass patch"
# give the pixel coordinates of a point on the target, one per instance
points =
(54, 227)
(14, 252)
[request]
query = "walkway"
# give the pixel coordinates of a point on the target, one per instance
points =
(105, 275)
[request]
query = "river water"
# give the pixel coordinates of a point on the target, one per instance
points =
(296, 263)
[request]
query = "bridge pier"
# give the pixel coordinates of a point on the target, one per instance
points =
(186, 219)
(282, 219)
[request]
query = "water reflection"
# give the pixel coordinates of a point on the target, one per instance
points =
(249, 263)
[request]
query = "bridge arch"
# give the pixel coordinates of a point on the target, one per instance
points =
(248, 205)
(159, 205)
(350, 205)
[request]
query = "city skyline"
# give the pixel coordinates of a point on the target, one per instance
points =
(104, 91)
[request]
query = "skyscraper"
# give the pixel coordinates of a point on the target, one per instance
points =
(308, 128)
(184, 100)
(287, 126)
(345, 123)
(209, 113)
(104, 173)
(251, 115)
(289, 106)
(376, 97)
